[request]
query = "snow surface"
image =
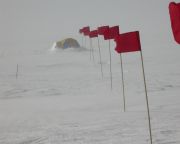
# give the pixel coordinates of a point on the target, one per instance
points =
(59, 97)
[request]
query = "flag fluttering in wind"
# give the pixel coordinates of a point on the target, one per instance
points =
(128, 42)
(111, 32)
(93, 34)
(102, 29)
(86, 30)
(174, 11)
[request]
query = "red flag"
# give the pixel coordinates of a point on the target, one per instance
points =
(93, 33)
(102, 29)
(174, 11)
(128, 42)
(86, 30)
(111, 33)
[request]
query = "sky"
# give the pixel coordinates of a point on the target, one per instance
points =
(36, 24)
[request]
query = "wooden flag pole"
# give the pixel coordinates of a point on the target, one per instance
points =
(92, 50)
(85, 42)
(17, 69)
(82, 40)
(110, 62)
(147, 103)
(90, 47)
(100, 57)
(122, 78)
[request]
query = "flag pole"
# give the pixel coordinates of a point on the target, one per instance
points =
(122, 78)
(147, 102)
(85, 42)
(82, 40)
(100, 57)
(17, 70)
(110, 62)
(92, 49)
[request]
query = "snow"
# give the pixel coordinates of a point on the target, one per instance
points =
(59, 97)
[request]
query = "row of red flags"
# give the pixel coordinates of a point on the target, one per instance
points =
(126, 42)
(129, 42)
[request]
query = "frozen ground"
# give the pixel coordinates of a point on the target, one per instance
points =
(59, 97)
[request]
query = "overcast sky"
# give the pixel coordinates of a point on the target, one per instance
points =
(36, 24)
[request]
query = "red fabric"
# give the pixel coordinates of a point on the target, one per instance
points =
(128, 42)
(174, 11)
(111, 33)
(102, 29)
(80, 31)
(93, 34)
(86, 30)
